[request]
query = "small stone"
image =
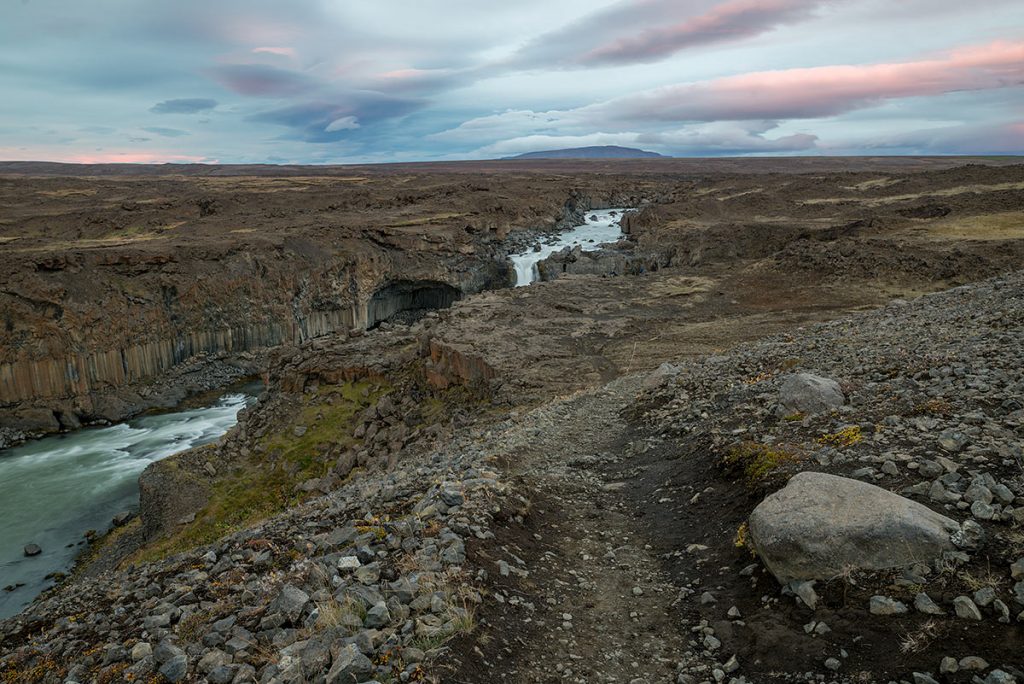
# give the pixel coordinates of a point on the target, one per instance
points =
(165, 651)
(175, 669)
(930, 469)
(805, 590)
(982, 510)
(122, 518)
(212, 660)
(966, 609)
(923, 678)
(349, 665)
(637, 591)
(378, 616)
(32, 550)
(969, 536)
(290, 603)
(734, 613)
(141, 650)
(1017, 569)
(368, 574)
(998, 676)
(707, 598)
(924, 604)
(978, 492)
(949, 666)
(883, 605)
(984, 596)
(833, 664)
(973, 663)
(225, 674)
(348, 563)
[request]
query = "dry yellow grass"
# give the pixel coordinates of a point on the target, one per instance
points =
(425, 220)
(873, 184)
(1006, 225)
(737, 195)
(67, 192)
(891, 199)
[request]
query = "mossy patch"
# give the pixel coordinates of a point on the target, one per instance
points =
(759, 462)
(266, 483)
(846, 437)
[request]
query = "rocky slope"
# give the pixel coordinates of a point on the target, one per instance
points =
(600, 535)
(464, 498)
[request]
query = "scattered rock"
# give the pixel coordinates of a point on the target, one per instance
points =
(810, 394)
(883, 605)
(966, 609)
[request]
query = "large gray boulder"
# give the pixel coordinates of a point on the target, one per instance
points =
(807, 393)
(820, 526)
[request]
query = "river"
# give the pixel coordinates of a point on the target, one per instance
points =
(53, 490)
(601, 228)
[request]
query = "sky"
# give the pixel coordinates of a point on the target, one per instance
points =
(356, 81)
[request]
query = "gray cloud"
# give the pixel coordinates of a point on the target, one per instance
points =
(165, 132)
(262, 80)
(319, 121)
(185, 105)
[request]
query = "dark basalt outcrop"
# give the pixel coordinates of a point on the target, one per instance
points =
(120, 294)
(409, 297)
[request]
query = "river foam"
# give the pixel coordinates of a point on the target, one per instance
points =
(54, 489)
(601, 228)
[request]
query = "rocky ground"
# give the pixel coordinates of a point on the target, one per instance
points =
(599, 537)
(521, 489)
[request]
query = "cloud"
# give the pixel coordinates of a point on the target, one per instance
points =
(770, 95)
(261, 80)
(345, 123)
(729, 21)
(186, 105)
(166, 132)
(969, 139)
(638, 31)
(824, 91)
(699, 140)
(329, 120)
(278, 51)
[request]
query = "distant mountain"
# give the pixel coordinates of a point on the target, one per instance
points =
(600, 152)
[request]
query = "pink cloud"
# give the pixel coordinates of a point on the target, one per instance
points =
(732, 20)
(825, 91)
(70, 157)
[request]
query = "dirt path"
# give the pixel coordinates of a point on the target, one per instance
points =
(589, 601)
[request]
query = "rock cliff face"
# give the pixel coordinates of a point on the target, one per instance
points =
(109, 288)
(122, 292)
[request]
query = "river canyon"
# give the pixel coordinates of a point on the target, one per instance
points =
(438, 440)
